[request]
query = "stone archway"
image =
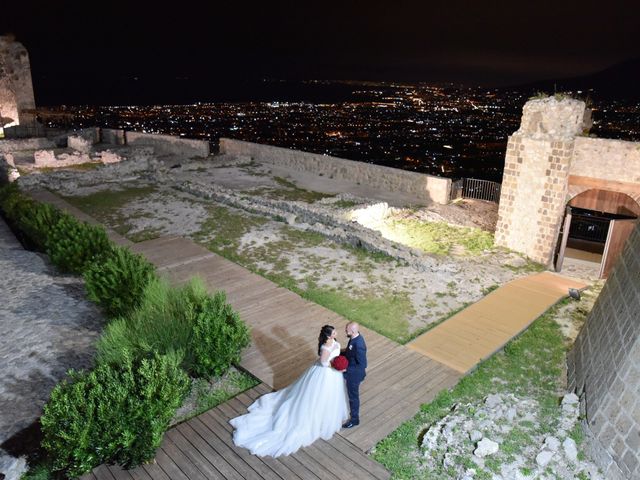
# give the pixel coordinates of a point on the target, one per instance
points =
(596, 226)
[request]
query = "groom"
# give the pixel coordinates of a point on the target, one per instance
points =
(356, 353)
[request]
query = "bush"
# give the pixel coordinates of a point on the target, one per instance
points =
(116, 414)
(186, 319)
(73, 245)
(118, 282)
(39, 222)
(218, 337)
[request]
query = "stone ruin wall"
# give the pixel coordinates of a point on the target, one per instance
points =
(604, 368)
(426, 188)
(169, 144)
(535, 178)
(615, 160)
(540, 157)
(16, 87)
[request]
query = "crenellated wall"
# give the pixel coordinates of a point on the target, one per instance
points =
(604, 368)
(425, 188)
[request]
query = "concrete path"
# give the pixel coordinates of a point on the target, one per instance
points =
(485, 327)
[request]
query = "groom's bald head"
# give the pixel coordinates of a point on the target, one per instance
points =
(352, 329)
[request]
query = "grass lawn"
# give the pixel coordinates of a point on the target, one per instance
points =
(437, 237)
(530, 366)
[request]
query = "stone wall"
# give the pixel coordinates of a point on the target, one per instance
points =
(8, 146)
(604, 367)
(169, 145)
(427, 188)
(606, 159)
(535, 178)
(16, 87)
(112, 136)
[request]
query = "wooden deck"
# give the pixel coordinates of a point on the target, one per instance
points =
(284, 330)
(485, 327)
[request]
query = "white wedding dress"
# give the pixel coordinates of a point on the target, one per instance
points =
(314, 406)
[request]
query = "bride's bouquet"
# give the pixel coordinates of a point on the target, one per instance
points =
(340, 363)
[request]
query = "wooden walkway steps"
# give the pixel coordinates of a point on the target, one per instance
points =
(485, 327)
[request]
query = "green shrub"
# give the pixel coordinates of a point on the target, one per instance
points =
(73, 245)
(117, 283)
(112, 414)
(218, 337)
(39, 222)
(184, 319)
(14, 204)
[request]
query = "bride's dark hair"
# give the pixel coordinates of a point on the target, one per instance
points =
(325, 333)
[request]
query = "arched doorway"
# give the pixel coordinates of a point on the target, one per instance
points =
(596, 226)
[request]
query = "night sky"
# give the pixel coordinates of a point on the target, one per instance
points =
(113, 45)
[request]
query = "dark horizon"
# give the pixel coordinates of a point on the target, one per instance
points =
(124, 51)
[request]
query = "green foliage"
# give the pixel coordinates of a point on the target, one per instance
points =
(37, 226)
(530, 365)
(166, 321)
(112, 414)
(218, 337)
(118, 282)
(72, 245)
(438, 237)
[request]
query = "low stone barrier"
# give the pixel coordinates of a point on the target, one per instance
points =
(427, 188)
(169, 145)
(112, 136)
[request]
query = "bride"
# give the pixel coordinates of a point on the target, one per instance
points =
(312, 407)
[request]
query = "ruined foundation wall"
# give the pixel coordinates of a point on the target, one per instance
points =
(422, 186)
(169, 145)
(604, 366)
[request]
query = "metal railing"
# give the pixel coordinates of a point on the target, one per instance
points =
(475, 188)
(591, 228)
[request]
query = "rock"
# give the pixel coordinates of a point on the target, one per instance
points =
(12, 468)
(511, 414)
(475, 435)
(570, 449)
(552, 443)
(493, 400)
(485, 447)
(570, 399)
(544, 457)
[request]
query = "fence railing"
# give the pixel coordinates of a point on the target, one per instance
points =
(475, 188)
(587, 227)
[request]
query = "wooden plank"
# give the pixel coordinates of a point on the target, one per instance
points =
(239, 407)
(201, 448)
(119, 473)
(214, 422)
(169, 466)
(183, 462)
(140, 473)
(102, 473)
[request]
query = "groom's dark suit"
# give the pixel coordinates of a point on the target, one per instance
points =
(356, 353)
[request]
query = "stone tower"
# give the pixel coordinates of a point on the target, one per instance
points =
(535, 179)
(16, 87)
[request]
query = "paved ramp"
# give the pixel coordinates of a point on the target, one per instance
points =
(485, 327)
